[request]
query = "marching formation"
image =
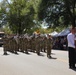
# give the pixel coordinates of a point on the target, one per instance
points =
(22, 43)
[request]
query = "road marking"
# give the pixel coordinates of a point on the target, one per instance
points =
(63, 60)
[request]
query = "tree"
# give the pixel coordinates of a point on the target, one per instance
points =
(2, 13)
(6, 29)
(58, 12)
(20, 16)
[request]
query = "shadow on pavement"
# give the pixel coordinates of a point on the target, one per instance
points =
(52, 58)
(53, 53)
(41, 54)
(16, 53)
(27, 53)
(74, 69)
(59, 50)
(5, 54)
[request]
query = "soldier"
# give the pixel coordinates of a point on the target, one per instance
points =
(41, 43)
(5, 45)
(44, 43)
(15, 46)
(49, 46)
(33, 44)
(25, 45)
(16, 37)
(38, 44)
(29, 43)
(11, 44)
(21, 43)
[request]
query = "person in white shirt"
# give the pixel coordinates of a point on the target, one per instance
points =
(71, 48)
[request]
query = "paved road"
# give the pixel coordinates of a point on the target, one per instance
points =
(31, 64)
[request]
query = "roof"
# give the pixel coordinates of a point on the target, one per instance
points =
(64, 32)
(54, 33)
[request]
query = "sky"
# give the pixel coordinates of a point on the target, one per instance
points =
(44, 25)
(1, 0)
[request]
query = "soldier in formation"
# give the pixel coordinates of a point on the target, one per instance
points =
(33, 44)
(38, 43)
(49, 46)
(25, 45)
(9, 44)
(5, 45)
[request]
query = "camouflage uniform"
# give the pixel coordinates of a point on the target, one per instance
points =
(15, 46)
(44, 43)
(25, 44)
(33, 44)
(49, 46)
(11, 44)
(38, 41)
(21, 44)
(41, 43)
(5, 45)
(29, 43)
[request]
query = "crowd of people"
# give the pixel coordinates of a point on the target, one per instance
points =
(35, 43)
(60, 43)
